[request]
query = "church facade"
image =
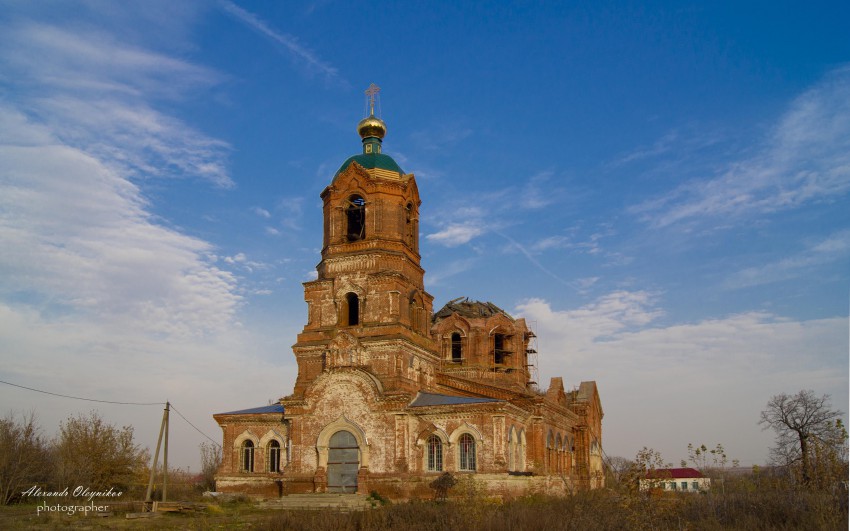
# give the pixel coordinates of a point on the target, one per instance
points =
(390, 394)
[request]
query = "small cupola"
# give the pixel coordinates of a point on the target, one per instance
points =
(372, 129)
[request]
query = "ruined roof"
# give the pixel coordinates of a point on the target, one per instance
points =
(467, 308)
(273, 408)
(434, 399)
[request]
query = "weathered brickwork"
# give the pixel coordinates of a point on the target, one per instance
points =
(388, 393)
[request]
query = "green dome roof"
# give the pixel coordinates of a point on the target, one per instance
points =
(370, 161)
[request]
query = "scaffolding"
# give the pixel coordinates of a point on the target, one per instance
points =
(531, 357)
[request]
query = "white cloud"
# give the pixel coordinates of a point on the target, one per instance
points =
(456, 234)
(79, 232)
(709, 378)
(805, 159)
(95, 93)
(538, 193)
(97, 297)
(262, 212)
(833, 248)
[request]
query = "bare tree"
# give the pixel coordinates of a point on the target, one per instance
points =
(24, 456)
(91, 452)
(618, 469)
(803, 423)
(210, 461)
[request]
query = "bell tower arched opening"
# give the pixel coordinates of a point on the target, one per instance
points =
(355, 218)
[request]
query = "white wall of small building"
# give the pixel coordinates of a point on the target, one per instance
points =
(681, 484)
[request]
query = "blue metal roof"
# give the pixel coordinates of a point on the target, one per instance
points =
(434, 399)
(274, 408)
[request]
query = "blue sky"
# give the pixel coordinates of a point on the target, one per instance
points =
(660, 189)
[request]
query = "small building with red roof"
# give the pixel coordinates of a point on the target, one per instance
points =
(676, 480)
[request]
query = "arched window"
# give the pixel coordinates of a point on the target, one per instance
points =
(247, 460)
(501, 350)
(411, 226)
(457, 348)
(408, 222)
(434, 447)
(466, 446)
(351, 312)
(558, 453)
(355, 217)
(273, 452)
(513, 460)
(521, 460)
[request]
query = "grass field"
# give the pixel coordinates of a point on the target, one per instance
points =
(602, 510)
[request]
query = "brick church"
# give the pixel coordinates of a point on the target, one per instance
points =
(390, 394)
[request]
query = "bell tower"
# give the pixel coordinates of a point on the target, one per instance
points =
(368, 307)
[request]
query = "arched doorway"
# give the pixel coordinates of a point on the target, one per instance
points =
(343, 462)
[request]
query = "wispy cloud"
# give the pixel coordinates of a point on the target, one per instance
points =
(97, 94)
(449, 135)
(79, 231)
(642, 365)
(516, 245)
(262, 212)
(456, 234)
(805, 159)
(91, 280)
(538, 192)
(436, 277)
(659, 147)
(289, 42)
(835, 247)
(465, 220)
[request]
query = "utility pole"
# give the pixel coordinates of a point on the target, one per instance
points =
(163, 428)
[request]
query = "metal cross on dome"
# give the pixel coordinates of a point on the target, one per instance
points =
(372, 93)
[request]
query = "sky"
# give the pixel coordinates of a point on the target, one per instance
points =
(659, 188)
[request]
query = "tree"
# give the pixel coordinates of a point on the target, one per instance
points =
(210, 461)
(24, 456)
(618, 469)
(805, 426)
(98, 455)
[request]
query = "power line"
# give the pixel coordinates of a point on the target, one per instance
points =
(86, 399)
(113, 402)
(190, 424)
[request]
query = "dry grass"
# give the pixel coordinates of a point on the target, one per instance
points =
(740, 507)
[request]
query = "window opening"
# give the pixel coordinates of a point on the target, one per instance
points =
(500, 349)
(408, 220)
(355, 214)
(352, 302)
(435, 454)
(274, 456)
(248, 456)
(457, 348)
(467, 452)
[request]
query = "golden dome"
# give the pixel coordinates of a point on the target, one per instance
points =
(371, 127)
